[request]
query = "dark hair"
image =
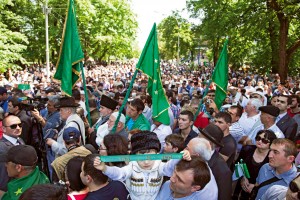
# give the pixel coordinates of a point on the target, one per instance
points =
(116, 145)
(188, 113)
(92, 103)
(239, 110)
(224, 115)
(176, 140)
(76, 94)
(289, 99)
(211, 91)
(297, 97)
(199, 168)
(89, 169)
(44, 192)
(290, 148)
(15, 101)
(269, 134)
(138, 104)
(73, 169)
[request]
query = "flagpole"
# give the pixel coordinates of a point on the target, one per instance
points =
(211, 79)
(86, 95)
(125, 101)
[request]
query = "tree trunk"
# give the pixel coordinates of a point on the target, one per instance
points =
(283, 35)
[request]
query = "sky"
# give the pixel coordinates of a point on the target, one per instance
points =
(153, 11)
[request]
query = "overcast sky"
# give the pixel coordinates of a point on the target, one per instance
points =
(153, 11)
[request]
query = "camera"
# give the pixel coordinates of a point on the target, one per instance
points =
(208, 101)
(35, 103)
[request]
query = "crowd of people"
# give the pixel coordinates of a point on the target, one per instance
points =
(51, 144)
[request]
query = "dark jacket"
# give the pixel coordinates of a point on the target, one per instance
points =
(222, 175)
(288, 126)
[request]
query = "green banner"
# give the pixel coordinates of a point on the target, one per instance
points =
(24, 86)
(140, 157)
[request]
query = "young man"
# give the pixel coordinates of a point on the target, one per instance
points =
(284, 122)
(174, 143)
(185, 122)
(190, 180)
(98, 184)
(281, 158)
(294, 106)
(134, 116)
(223, 121)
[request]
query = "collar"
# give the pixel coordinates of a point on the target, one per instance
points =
(10, 139)
(287, 176)
(280, 116)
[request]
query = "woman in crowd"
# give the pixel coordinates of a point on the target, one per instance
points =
(254, 156)
(114, 144)
(77, 190)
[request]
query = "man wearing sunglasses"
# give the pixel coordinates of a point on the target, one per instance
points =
(12, 129)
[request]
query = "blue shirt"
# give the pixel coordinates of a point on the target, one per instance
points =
(267, 172)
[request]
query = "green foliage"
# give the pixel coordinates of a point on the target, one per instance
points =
(106, 27)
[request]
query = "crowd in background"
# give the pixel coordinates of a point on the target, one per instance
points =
(246, 149)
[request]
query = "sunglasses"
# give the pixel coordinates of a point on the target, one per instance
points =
(263, 140)
(14, 126)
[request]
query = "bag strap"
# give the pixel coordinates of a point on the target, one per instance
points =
(267, 182)
(79, 131)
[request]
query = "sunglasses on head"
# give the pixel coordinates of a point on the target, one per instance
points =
(263, 140)
(14, 126)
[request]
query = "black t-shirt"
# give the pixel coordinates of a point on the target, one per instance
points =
(114, 190)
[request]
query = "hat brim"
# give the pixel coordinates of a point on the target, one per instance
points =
(208, 136)
(64, 106)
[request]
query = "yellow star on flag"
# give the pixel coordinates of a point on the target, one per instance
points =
(19, 191)
(156, 92)
(155, 60)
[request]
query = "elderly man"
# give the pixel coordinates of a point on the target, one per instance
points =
(107, 107)
(268, 117)
(12, 129)
(21, 163)
(108, 127)
(67, 108)
(218, 166)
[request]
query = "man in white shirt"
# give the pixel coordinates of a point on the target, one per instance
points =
(162, 131)
(267, 117)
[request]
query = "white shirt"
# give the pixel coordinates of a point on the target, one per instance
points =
(280, 116)
(273, 128)
(162, 132)
(11, 139)
(248, 122)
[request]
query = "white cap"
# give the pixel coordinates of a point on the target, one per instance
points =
(122, 117)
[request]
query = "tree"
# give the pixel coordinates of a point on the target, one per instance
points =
(12, 43)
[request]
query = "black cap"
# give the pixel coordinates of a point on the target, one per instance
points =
(3, 90)
(66, 102)
(108, 102)
(24, 155)
(213, 133)
(271, 110)
(144, 140)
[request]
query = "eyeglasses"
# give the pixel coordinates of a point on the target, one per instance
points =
(263, 140)
(14, 126)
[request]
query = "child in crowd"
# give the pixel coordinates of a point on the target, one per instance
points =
(174, 143)
(143, 178)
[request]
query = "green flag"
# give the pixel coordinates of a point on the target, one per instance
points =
(220, 76)
(71, 55)
(17, 186)
(149, 63)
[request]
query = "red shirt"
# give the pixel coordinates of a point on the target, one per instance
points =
(289, 112)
